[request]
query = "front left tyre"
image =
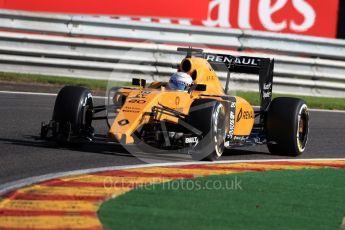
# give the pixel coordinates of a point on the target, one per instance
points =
(73, 113)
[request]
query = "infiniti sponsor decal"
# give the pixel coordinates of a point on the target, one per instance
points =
(267, 90)
(267, 86)
(266, 94)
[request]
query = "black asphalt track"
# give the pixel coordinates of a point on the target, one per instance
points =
(23, 155)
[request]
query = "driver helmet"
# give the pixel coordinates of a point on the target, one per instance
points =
(180, 81)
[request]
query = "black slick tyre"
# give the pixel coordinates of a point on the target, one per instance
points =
(287, 126)
(73, 112)
(208, 117)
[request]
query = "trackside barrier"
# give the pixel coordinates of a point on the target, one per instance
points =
(304, 65)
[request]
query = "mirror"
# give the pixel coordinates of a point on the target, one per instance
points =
(139, 82)
(197, 87)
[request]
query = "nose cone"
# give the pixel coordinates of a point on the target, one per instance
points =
(132, 115)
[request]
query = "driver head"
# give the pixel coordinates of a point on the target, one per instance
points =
(180, 81)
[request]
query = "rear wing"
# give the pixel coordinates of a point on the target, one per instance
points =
(251, 65)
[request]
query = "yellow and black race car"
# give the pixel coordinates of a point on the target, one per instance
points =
(200, 121)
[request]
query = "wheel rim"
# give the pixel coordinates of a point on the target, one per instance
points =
(302, 128)
(219, 129)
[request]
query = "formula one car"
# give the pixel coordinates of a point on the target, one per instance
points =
(200, 121)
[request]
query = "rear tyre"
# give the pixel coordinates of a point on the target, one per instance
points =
(208, 116)
(287, 126)
(73, 113)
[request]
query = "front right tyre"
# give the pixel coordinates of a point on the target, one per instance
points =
(208, 116)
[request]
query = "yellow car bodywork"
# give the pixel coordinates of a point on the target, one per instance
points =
(136, 110)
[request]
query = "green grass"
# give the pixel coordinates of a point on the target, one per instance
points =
(293, 199)
(312, 102)
(252, 97)
(59, 81)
